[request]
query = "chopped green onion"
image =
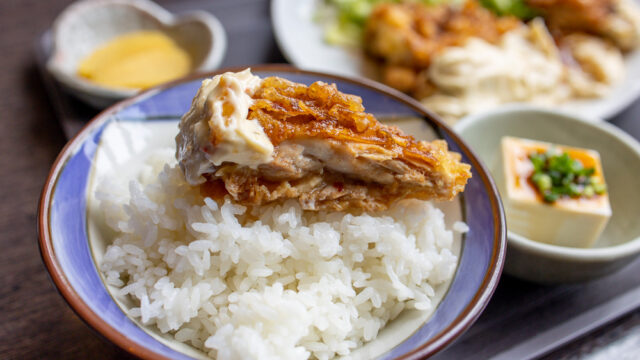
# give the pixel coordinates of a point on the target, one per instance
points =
(550, 197)
(599, 188)
(576, 190)
(543, 181)
(557, 175)
(589, 191)
(538, 161)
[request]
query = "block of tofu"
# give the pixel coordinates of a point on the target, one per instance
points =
(569, 221)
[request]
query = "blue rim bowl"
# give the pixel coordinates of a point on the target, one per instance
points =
(65, 249)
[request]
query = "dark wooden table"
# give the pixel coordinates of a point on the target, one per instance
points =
(35, 322)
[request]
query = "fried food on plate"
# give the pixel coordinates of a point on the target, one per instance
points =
(261, 141)
(407, 36)
(461, 58)
(615, 20)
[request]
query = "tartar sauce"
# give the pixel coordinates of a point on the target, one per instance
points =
(216, 128)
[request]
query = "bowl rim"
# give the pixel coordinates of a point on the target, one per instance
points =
(598, 254)
(166, 19)
(440, 340)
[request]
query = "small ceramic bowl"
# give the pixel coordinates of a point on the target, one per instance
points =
(620, 155)
(85, 25)
(72, 243)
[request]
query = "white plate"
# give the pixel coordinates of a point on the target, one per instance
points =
(301, 40)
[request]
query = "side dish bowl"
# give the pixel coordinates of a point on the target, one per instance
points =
(619, 244)
(85, 25)
(70, 251)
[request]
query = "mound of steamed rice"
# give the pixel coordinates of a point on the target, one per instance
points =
(273, 282)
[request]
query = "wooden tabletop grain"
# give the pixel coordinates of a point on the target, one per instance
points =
(35, 322)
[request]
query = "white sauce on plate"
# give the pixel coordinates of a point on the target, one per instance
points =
(523, 66)
(218, 115)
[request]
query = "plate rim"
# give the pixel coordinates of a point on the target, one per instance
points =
(443, 338)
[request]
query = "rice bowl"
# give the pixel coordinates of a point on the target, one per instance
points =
(76, 276)
(292, 283)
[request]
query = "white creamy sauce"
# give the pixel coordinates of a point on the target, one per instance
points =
(218, 115)
(523, 66)
(601, 65)
(624, 27)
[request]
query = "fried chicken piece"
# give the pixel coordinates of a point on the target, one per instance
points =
(616, 20)
(326, 152)
(574, 15)
(406, 36)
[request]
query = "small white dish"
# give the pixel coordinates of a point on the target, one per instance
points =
(619, 244)
(85, 25)
(301, 40)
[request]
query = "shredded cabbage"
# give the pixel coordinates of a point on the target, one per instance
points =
(517, 8)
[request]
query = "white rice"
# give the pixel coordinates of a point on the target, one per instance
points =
(273, 282)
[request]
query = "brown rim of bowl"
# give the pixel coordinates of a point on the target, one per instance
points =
(460, 324)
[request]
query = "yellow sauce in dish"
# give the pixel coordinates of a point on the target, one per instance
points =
(137, 60)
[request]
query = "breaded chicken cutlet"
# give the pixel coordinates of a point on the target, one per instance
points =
(262, 141)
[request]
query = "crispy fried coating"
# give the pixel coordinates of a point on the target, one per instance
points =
(331, 155)
(613, 20)
(574, 15)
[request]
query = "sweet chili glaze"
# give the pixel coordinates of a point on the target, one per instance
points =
(288, 110)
